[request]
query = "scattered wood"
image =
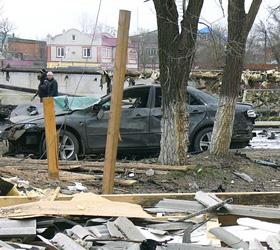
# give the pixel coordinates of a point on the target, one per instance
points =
(81, 204)
(244, 198)
(68, 165)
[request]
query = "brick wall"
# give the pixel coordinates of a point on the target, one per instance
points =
(28, 50)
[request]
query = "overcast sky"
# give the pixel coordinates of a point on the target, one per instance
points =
(35, 19)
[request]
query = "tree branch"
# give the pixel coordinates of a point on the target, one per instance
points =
(253, 11)
(189, 24)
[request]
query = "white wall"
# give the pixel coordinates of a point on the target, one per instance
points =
(85, 85)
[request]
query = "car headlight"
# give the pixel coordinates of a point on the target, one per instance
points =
(29, 125)
(251, 113)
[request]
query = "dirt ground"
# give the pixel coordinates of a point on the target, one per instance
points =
(205, 173)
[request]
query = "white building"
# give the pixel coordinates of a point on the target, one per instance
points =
(77, 49)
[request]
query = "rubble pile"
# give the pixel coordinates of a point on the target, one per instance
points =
(265, 101)
(89, 221)
(211, 80)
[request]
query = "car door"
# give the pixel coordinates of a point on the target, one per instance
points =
(196, 108)
(197, 111)
(134, 124)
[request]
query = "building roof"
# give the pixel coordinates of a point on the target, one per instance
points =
(112, 41)
(109, 41)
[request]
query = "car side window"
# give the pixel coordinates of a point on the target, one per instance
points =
(132, 98)
(191, 99)
(135, 98)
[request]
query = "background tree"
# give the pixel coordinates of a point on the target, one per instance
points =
(5, 28)
(210, 48)
(274, 35)
(239, 26)
(176, 45)
(87, 23)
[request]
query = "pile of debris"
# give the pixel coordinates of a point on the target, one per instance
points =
(89, 221)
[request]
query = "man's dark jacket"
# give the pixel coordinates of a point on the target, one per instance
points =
(52, 87)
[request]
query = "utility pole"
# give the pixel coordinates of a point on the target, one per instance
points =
(51, 137)
(116, 101)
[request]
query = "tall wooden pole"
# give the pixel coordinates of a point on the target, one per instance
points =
(51, 137)
(115, 109)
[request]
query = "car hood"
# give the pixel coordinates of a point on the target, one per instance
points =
(33, 119)
(31, 113)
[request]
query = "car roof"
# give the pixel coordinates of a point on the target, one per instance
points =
(206, 97)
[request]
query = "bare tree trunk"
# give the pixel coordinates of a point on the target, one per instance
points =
(176, 52)
(173, 125)
(239, 25)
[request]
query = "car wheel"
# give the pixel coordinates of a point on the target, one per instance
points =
(68, 146)
(203, 139)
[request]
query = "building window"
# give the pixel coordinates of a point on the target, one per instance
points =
(86, 52)
(60, 52)
(106, 52)
(73, 37)
(151, 51)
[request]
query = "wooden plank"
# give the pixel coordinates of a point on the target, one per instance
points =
(51, 137)
(147, 200)
(83, 204)
(6, 201)
(115, 109)
(98, 166)
(244, 198)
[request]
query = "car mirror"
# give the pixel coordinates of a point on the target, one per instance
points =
(100, 114)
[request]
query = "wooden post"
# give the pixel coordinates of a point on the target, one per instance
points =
(51, 137)
(115, 109)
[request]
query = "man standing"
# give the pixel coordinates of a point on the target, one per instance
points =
(51, 84)
(41, 92)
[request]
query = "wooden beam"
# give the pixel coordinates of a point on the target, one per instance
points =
(115, 109)
(51, 137)
(243, 198)
(147, 200)
(68, 165)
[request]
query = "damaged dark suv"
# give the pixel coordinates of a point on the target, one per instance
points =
(83, 129)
